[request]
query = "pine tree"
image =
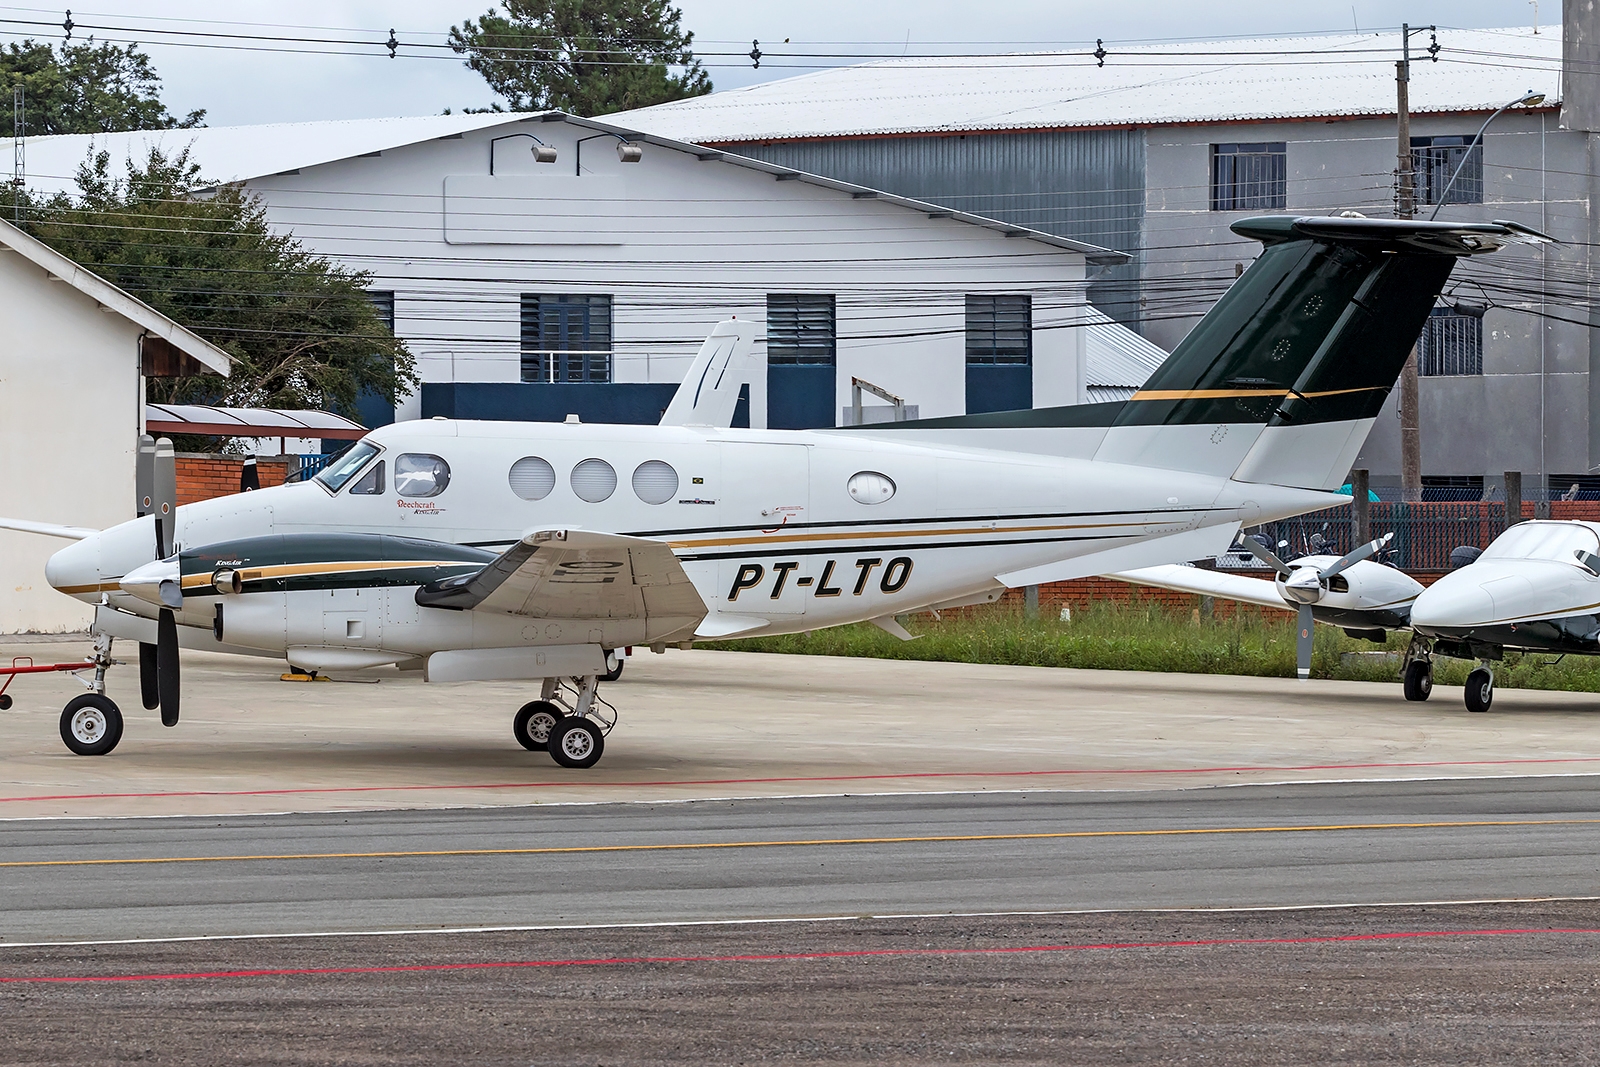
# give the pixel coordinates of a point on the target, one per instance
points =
(85, 88)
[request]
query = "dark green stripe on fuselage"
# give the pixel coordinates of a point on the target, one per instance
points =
(331, 561)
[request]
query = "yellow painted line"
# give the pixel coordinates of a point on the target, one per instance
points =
(1227, 394)
(690, 846)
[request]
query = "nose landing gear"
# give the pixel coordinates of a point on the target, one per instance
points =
(1480, 688)
(1418, 673)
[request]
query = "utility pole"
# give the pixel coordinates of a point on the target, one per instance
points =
(19, 169)
(1405, 207)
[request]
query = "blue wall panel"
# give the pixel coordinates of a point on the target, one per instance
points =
(800, 396)
(639, 403)
(999, 387)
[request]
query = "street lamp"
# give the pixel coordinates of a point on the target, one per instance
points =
(1528, 99)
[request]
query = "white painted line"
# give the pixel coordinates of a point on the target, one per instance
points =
(770, 921)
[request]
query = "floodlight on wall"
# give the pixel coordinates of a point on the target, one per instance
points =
(542, 153)
(628, 152)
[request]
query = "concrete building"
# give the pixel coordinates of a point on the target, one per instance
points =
(1157, 151)
(73, 358)
(541, 265)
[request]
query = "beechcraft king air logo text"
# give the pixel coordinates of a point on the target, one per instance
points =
(835, 580)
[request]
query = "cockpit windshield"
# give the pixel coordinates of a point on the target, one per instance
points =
(1543, 540)
(344, 466)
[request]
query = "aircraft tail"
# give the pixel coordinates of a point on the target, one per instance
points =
(710, 391)
(1282, 379)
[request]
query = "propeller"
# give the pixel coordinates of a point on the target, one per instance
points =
(164, 506)
(1304, 586)
(144, 493)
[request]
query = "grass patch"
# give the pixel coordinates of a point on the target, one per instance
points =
(1151, 636)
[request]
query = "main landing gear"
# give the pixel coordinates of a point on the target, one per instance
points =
(1418, 671)
(569, 720)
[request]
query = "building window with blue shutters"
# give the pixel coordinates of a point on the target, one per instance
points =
(1249, 176)
(566, 337)
(373, 410)
(1451, 344)
(999, 352)
(1435, 159)
(802, 352)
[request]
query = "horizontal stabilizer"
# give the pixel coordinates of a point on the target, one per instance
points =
(710, 391)
(1191, 544)
(47, 529)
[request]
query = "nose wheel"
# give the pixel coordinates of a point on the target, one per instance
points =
(1418, 673)
(91, 725)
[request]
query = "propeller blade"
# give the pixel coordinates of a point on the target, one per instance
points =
(149, 691)
(144, 476)
(1350, 559)
(167, 666)
(1303, 640)
(1263, 553)
(165, 495)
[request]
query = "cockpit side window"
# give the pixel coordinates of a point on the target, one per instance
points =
(371, 483)
(344, 466)
(418, 474)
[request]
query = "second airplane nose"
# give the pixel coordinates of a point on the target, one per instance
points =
(1453, 602)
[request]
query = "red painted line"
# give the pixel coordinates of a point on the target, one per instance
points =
(799, 779)
(784, 957)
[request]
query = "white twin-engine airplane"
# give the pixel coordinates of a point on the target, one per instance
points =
(497, 550)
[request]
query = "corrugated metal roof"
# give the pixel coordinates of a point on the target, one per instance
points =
(1217, 81)
(1116, 360)
(239, 153)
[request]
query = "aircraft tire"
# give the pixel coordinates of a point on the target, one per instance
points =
(611, 676)
(1419, 680)
(91, 725)
(576, 742)
(1480, 689)
(534, 722)
(5, 701)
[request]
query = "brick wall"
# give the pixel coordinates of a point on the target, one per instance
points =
(203, 475)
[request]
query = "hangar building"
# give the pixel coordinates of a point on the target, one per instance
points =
(75, 355)
(1157, 151)
(541, 265)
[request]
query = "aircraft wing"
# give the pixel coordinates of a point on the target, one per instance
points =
(48, 529)
(577, 574)
(1206, 583)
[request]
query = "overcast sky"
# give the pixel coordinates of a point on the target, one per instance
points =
(241, 87)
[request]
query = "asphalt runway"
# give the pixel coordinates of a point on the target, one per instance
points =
(1249, 846)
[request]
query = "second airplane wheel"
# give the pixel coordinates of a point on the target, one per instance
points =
(1419, 680)
(1480, 689)
(534, 722)
(91, 725)
(576, 743)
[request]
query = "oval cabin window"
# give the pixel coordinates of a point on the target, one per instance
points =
(594, 480)
(532, 478)
(655, 482)
(870, 487)
(418, 474)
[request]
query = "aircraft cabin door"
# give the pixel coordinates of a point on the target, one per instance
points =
(765, 505)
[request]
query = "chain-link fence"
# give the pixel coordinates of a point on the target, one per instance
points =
(1424, 533)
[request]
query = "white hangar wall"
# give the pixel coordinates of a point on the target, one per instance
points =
(69, 426)
(679, 242)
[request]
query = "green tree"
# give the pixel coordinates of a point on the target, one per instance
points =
(85, 88)
(584, 57)
(301, 329)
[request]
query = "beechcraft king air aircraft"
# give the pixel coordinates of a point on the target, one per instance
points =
(498, 550)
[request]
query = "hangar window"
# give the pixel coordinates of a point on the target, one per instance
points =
(999, 328)
(418, 474)
(344, 465)
(532, 478)
(1451, 344)
(801, 328)
(594, 480)
(371, 483)
(655, 482)
(1249, 177)
(1435, 159)
(870, 487)
(566, 337)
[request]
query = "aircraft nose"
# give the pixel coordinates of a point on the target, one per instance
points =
(1453, 602)
(75, 570)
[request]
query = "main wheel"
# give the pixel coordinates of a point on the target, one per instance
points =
(534, 722)
(1419, 680)
(91, 725)
(613, 675)
(576, 742)
(1480, 689)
